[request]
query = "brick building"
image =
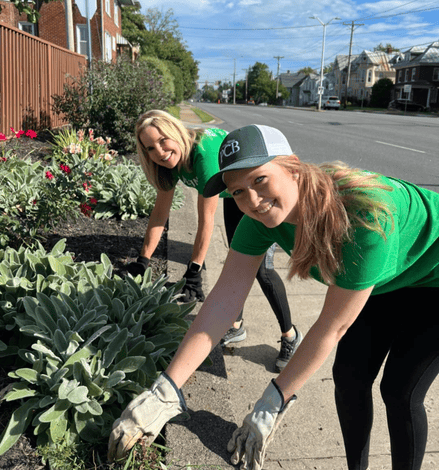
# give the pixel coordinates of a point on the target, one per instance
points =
(105, 26)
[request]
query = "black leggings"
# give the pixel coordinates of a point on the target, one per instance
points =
(404, 326)
(268, 278)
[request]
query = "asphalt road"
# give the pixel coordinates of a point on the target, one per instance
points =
(406, 147)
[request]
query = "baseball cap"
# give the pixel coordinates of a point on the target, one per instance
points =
(247, 147)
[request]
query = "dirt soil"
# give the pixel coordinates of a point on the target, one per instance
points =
(87, 238)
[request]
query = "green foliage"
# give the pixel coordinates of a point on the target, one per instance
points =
(158, 36)
(34, 198)
(163, 69)
(261, 86)
(27, 7)
(121, 92)
(381, 93)
(94, 343)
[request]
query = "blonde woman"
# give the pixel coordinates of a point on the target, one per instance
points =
(169, 152)
(374, 241)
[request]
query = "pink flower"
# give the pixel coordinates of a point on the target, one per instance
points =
(2, 136)
(93, 200)
(34, 202)
(30, 133)
(3, 159)
(49, 175)
(86, 186)
(100, 141)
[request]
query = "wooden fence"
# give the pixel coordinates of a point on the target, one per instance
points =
(31, 72)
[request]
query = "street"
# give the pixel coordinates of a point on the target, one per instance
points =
(405, 147)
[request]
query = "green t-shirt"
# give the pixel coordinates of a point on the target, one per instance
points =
(204, 157)
(407, 257)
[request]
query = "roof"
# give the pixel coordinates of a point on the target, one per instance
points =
(420, 56)
(289, 80)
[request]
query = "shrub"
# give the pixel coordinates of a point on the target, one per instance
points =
(95, 343)
(381, 93)
(121, 92)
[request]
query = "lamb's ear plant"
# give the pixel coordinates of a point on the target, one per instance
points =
(93, 349)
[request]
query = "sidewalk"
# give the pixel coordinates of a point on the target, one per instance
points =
(219, 397)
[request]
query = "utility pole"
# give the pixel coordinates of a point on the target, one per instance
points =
(234, 81)
(246, 84)
(348, 78)
(69, 24)
(278, 67)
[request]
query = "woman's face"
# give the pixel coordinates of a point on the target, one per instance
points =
(267, 193)
(161, 150)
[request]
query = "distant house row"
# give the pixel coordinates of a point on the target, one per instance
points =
(106, 37)
(414, 72)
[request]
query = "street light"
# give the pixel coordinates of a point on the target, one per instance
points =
(323, 54)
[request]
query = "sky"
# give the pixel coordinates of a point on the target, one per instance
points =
(227, 37)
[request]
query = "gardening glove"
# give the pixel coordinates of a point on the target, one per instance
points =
(138, 267)
(146, 415)
(192, 290)
(250, 441)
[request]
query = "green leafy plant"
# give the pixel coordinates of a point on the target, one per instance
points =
(93, 349)
(84, 144)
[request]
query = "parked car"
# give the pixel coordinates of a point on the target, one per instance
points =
(408, 105)
(333, 102)
(263, 104)
(251, 102)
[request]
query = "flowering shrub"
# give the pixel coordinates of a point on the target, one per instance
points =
(122, 91)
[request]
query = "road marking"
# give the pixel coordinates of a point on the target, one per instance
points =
(296, 123)
(398, 146)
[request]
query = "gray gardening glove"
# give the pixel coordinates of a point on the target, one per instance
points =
(145, 415)
(250, 441)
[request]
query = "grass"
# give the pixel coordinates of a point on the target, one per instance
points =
(205, 117)
(175, 111)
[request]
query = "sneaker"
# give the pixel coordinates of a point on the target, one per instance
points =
(234, 335)
(287, 349)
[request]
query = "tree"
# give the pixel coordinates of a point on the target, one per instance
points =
(31, 8)
(262, 88)
(158, 36)
(381, 93)
(307, 70)
(387, 48)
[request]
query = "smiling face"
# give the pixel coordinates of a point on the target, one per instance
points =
(267, 193)
(160, 149)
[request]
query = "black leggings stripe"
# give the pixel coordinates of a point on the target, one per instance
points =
(404, 327)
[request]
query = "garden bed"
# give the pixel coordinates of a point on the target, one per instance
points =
(87, 238)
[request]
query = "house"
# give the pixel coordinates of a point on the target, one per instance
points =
(107, 41)
(365, 70)
(292, 81)
(310, 86)
(417, 76)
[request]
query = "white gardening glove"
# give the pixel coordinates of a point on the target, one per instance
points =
(250, 441)
(145, 415)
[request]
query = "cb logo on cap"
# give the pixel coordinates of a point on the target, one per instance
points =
(229, 149)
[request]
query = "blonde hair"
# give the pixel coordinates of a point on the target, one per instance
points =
(172, 128)
(333, 200)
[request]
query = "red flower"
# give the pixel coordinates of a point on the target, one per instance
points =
(2, 136)
(3, 159)
(65, 168)
(49, 175)
(93, 200)
(32, 134)
(85, 209)
(34, 202)
(19, 134)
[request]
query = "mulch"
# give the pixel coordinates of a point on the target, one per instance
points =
(87, 239)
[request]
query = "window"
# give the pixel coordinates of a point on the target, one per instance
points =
(406, 78)
(400, 76)
(81, 39)
(116, 13)
(27, 27)
(363, 75)
(413, 74)
(108, 51)
(436, 74)
(369, 76)
(107, 7)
